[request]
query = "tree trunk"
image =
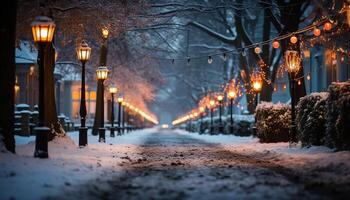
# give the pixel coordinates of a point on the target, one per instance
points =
(291, 17)
(99, 105)
(51, 119)
(7, 74)
(266, 90)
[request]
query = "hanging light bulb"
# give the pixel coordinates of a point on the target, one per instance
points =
(257, 50)
(284, 86)
(276, 44)
(172, 61)
(224, 56)
(327, 26)
(299, 82)
(188, 60)
(293, 39)
(210, 59)
(317, 32)
(308, 77)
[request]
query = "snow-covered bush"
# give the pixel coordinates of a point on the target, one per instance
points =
(338, 116)
(242, 125)
(272, 122)
(311, 119)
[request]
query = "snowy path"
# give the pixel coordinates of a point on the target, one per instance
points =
(171, 165)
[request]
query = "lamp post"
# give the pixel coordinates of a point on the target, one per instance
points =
(83, 54)
(113, 90)
(220, 99)
(201, 113)
(123, 116)
(211, 106)
(231, 95)
(292, 61)
(257, 86)
(102, 74)
(120, 101)
(42, 29)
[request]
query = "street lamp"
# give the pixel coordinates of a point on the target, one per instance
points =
(42, 29)
(123, 116)
(220, 99)
(83, 54)
(201, 113)
(102, 74)
(120, 101)
(105, 33)
(113, 90)
(257, 86)
(231, 95)
(211, 106)
(292, 61)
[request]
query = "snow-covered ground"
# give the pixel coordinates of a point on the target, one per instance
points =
(69, 167)
(24, 177)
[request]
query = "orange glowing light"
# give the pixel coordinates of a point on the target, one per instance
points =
(276, 44)
(327, 26)
(317, 32)
(293, 39)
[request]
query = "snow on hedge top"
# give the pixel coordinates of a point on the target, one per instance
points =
(269, 105)
(321, 95)
(22, 105)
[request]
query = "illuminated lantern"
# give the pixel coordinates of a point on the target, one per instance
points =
(293, 39)
(256, 82)
(276, 44)
(102, 73)
(211, 102)
(231, 94)
(83, 52)
(113, 89)
(257, 50)
(105, 33)
(201, 109)
(327, 26)
(317, 32)
(43, 29)
(292, 61)
(308, 77)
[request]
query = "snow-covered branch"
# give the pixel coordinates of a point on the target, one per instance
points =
(211, 32)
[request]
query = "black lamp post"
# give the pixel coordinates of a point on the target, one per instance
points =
(102, 74)
(231, 95)
(113, 90)
(83, 54)
(220, 99)
(201, 113)
(257, 86)
(43, 29)
(292, 61)
(120, 101)
(211, 106)
(123, 116)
